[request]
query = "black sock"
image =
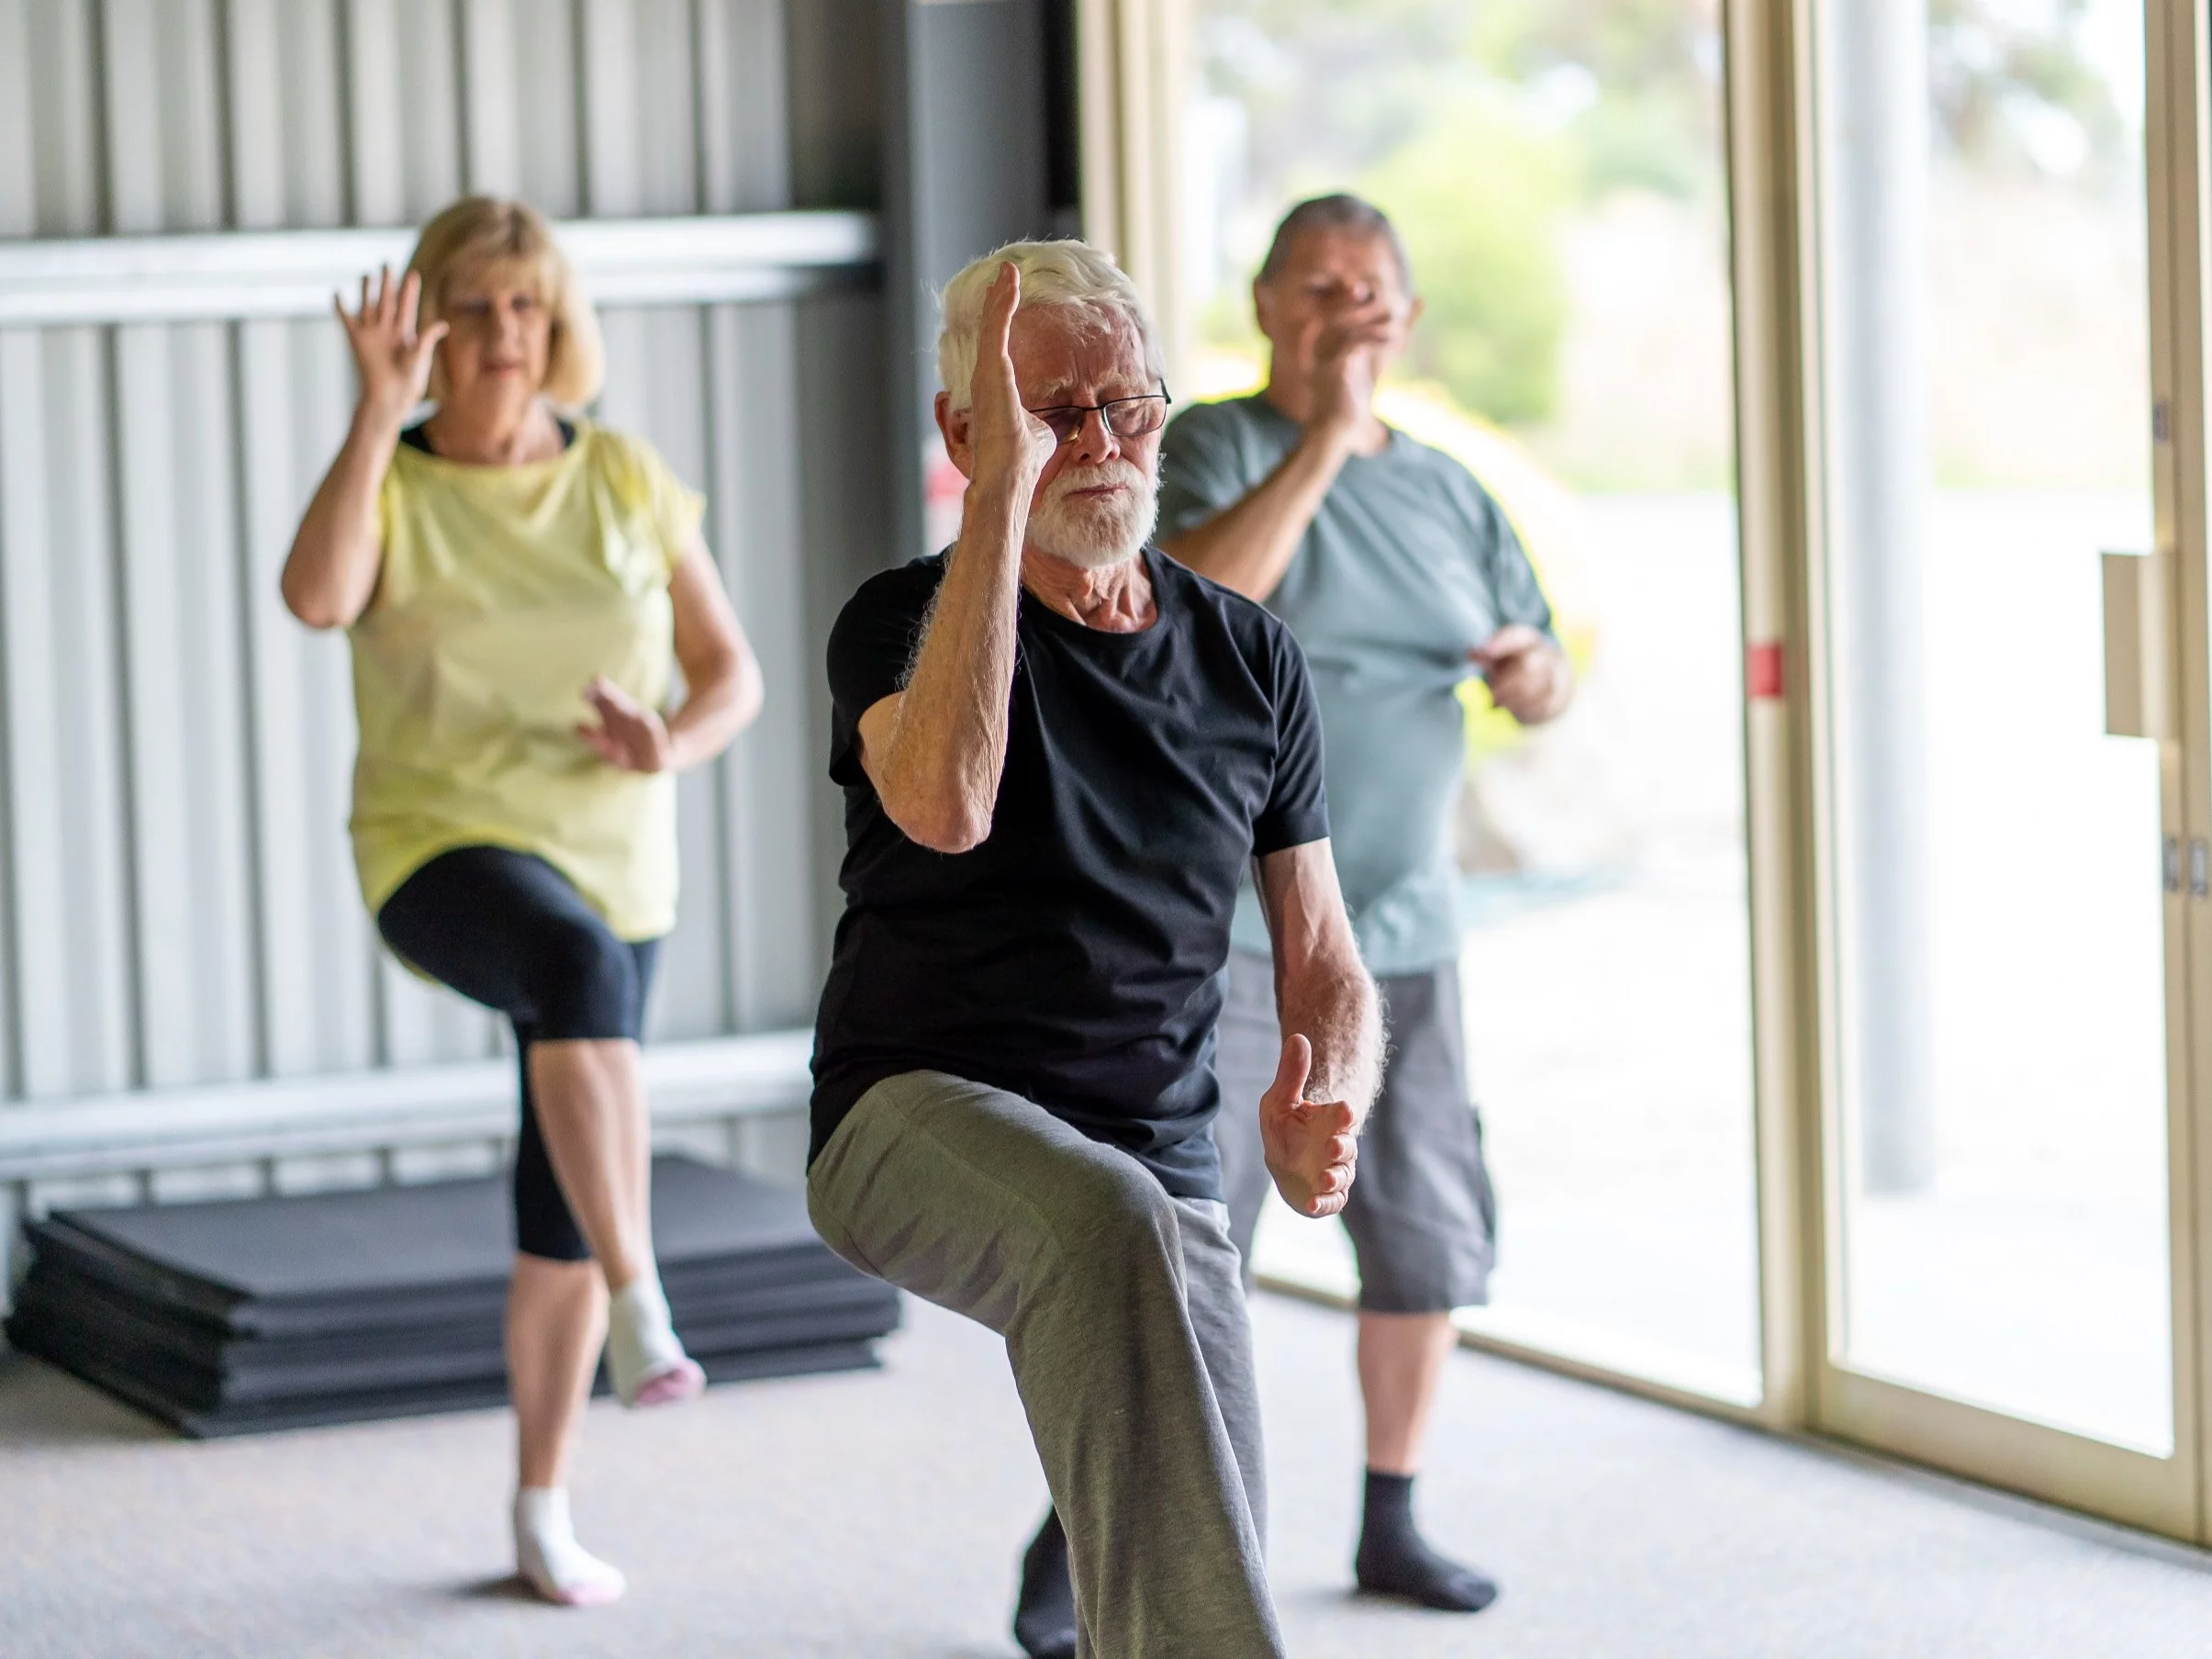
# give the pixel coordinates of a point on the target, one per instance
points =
(1395, 1560)
(1045, 1613)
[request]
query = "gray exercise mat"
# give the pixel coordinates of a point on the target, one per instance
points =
(77, 1332)
(221, 1422)
(234, 1316)
(403, 1252)
(55, 1312)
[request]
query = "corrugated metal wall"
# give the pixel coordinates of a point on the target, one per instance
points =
(176, 896)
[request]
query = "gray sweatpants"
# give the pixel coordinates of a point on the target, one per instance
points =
(1124, 1321)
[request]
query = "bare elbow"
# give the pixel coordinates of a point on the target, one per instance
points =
(949, 834)
(752, 692)
(941, 828)
(317, 611)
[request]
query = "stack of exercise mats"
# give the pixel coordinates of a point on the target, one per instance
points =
(241, 1315)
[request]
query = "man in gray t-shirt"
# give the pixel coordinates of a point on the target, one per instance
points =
(1400, 578)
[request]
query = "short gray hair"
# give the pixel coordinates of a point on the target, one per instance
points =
(1341, 212)
(1069, 274)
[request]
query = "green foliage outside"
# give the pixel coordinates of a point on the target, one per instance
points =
(1478, 199)
(1487, 127)
(1426, 107)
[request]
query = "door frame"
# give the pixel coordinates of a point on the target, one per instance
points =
(1130, 78)
(2164, 1494)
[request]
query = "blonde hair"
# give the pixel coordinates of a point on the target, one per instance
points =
(1069, 274)
(479, 233)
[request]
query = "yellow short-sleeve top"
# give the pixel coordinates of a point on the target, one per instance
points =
(504, 591)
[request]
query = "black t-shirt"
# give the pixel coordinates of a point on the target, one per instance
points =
(1073, 956)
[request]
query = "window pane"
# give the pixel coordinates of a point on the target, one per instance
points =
(2002, 963)
(1556, 173)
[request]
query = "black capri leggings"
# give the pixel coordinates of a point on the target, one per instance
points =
(508, 930)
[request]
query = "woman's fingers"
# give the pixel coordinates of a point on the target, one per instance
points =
(425, 343)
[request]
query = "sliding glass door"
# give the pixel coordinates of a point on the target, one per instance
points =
(1559, 173)
(2006, 866)
(1833, 974)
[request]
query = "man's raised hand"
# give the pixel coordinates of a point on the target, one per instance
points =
(1011, 445)
(1342, 347)
(392, 359)
(1311, 1146)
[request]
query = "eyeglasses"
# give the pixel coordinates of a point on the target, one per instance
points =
(1124, 417)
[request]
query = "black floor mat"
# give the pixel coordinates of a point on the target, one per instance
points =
(401, 1255)
(221, 1422)
(227, 1317)
(720, 1317)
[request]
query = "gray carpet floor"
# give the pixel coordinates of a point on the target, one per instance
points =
(880, 1515)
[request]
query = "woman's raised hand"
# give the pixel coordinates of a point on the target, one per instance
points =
(392, 360)
(1011, 445)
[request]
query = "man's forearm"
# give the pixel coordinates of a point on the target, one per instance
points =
(1249, 546)
(948, 744)
(1333, 1004)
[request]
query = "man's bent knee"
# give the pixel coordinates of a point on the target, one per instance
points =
(1112, 1210)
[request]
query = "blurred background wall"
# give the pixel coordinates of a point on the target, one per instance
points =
(180, 932)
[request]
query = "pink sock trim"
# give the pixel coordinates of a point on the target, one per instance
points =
(591, 1593)
(673, 1383)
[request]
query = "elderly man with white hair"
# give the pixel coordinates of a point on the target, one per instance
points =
(1060, 749)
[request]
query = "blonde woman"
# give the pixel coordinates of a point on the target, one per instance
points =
(521, 586)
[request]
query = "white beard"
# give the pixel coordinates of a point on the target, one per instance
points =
(1100, 534)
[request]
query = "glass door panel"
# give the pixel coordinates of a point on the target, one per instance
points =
(2001, 1237)
(1557, 173)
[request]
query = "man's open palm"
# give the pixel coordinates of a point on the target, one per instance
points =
(1311, 1147)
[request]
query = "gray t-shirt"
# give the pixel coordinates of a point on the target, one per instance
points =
(1408, 566)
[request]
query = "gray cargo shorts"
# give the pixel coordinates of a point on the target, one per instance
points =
(1422, 1215)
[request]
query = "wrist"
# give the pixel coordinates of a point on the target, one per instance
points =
(1331, 438)
(996, 514)
(1005, 488)
(380, 418)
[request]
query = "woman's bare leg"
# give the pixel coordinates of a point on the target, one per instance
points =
(556, 1318)
(590, 1099)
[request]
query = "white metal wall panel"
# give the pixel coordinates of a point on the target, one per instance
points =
(58, 102)
(744, 107)
(287, 152)
(162, 74)
(177, 901)
(403, 93)
(519, 64)
(640, 128)
(317, 957)
(772, 918)
(68, 867)
(190, 814)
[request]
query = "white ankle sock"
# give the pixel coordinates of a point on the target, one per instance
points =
(548, 1555)
(642, 1343)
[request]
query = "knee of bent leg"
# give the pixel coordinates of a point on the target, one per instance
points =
(586, 983)
(1117, 1213)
